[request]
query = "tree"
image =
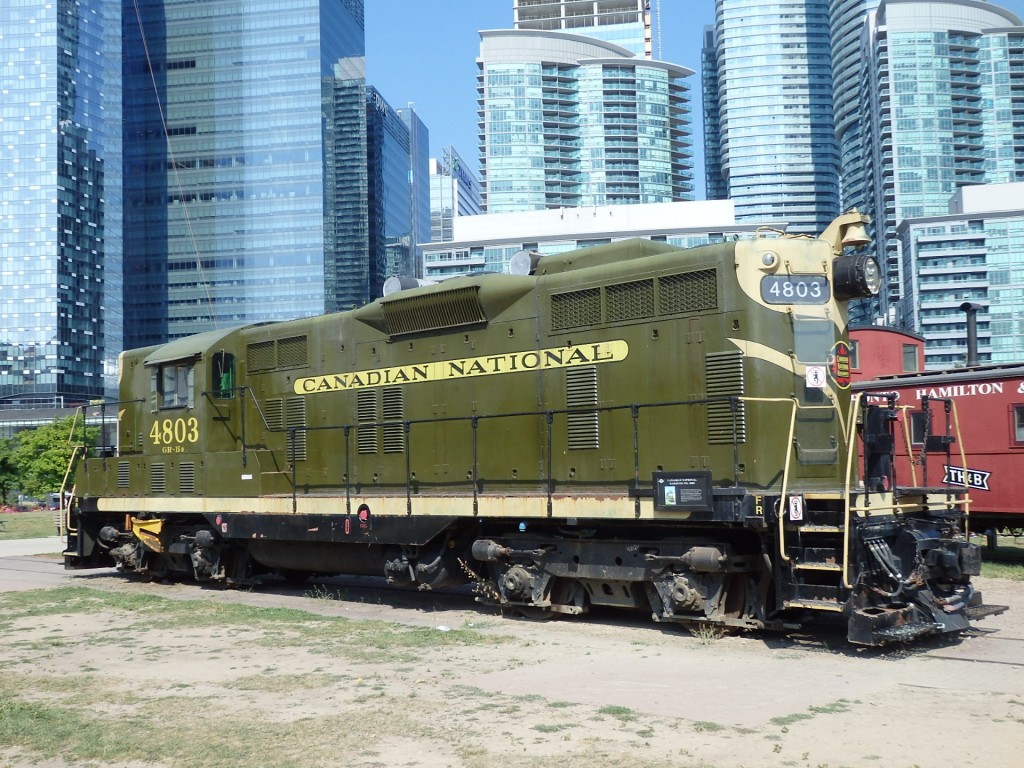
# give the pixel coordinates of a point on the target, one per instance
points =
(8, 472)
(41, 456)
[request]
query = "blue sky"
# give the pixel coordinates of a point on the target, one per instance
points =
(424, 52)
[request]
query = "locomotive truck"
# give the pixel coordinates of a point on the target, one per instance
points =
(632, 425)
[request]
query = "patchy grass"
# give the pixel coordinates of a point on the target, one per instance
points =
(707, 634)
(28, 525)
(842, 705)
(625, 714)
(706, 726)
(1006, 561)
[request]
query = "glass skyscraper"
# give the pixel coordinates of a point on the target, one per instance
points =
(419, 184)
(626, 23)
(567, 121)
(973, 253)
(849, 70)
(60, 202)
(239, 119)
(937, 110)
(768, 86)
(389, 195)
(454, 191)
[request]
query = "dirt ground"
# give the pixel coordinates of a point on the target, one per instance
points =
(608, 690)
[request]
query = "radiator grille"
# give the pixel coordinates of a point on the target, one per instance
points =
(724, 376)
(273, 412)
(282, 353)
(295, 416)
(630, 301)
(394, 410)
(434, 311)
(581, 393)
(688, 292)
(124, 474)
(187, 477)
(576, 308)
(366, 412)
(260, 356)
(158, 478)
(292, 352)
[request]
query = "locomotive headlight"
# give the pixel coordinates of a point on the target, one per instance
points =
(856, 276)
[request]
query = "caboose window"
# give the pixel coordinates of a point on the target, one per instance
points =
(1018, 424)
(223, 375)
(174, 385)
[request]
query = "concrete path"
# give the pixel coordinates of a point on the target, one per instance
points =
(24, 547)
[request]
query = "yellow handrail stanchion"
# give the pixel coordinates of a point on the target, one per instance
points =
(966, 503)
(850, 453)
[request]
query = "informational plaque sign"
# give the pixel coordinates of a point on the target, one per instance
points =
(682, 491)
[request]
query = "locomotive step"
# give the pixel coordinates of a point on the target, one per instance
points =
(810, 528)
(975, 612)
(818, 567)
(815, 605)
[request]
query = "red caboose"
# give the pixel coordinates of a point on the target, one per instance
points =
(977, 413)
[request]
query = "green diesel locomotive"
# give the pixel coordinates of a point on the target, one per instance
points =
(634, 425)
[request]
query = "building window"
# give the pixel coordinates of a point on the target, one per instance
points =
(910, 363)
(1018, 424)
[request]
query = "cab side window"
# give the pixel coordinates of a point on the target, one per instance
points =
(222, 376)
(174, 385)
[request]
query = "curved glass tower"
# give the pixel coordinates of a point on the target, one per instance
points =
(768, 77)
(567, 120)
(936, 114)
(848, 72)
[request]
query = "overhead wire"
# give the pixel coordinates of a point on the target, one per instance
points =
(174, 165)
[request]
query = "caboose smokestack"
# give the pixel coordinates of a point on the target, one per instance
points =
(972, 331)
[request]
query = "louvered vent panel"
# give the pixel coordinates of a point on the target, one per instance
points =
(260, 356)
(688, 292)
(394, 410)
(581, 393)
(629, 301)
(273, 411)
(575, 309)
(434, 311)
(187, 477)
(724, 376)
(158, 478)
(124, 474)
(366, 411)
(295, 416)
(292, 352)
